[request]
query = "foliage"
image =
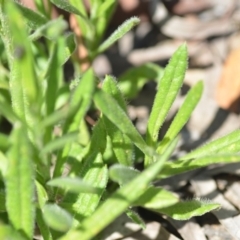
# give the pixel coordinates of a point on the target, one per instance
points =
(55, 173)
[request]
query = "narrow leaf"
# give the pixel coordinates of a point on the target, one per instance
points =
(2, 201)
(80, 100)
(4, 142)
(20, 182)
(216, 146)
(7, 111)
(52, 80)
(3, 164)
(180, 166)
(34, 19)
(22, 53)
(23, 83)
(42, 195)
(66, 48)
(57, 218)
(79, 104)
(122, 145)
(116, 115)
(182, 116)
(185, 210)
(59, 143)
(155, 198)
(95, 174)
(118, 202)
(51, 30)
(168, 88)
(117, 34)
(76, 185)
(79, 5)
(66, 6)
(44, 229)
(135, 218)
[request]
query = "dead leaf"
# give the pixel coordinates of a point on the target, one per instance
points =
(228, 89)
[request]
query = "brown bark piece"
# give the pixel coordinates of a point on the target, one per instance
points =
(228, 90)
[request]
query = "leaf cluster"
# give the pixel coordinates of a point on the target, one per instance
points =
(59, 177)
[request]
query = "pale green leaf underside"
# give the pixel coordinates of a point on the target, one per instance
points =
(57, 218)
(185, 210)
(155, 198)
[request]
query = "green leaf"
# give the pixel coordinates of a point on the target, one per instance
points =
(23, 84)
(79, 5)
(81, 100)
(117, 115)
(227, 144)
(117, 34)
(94, 173)
(182, 116)
(185, 210)
(7, 232)
(34, 19)
(135, 218)
(79, 104)
(7, 111)
(57, 218)
(122, 145)
(118, 202)
(180, 166)
(66, 6)
(168, 88)
(100, 14)
(110, 86)
(155, 198)
(76, 185)
(59, 142)
(20, 182)
(132, 81)
(4, 142)
(2, 201)
(66, 48)
(44, 229)
(52, 77)
(122, 174)
(52, 30)
(3, 164)
(42, 195)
